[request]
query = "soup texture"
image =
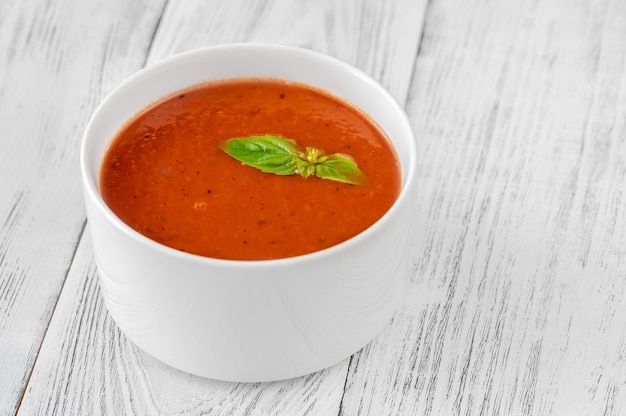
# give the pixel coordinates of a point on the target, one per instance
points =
(165, 175)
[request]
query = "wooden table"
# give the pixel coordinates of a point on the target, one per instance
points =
(515, 302)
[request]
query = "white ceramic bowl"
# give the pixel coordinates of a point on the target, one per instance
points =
(250, 320)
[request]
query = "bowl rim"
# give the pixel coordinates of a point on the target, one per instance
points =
(91, 190)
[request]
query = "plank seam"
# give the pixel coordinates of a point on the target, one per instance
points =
(154, 34)
(419, 51)
(345, 384)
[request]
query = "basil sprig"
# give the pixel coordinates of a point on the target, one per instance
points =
(282, 156)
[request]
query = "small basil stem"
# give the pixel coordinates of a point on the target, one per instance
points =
(313, 155)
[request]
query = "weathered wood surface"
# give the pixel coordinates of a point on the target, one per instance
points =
(57, 61)
(516, 301)
(84, 365)
(517, 304)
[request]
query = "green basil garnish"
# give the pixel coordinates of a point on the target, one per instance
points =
(281, 156)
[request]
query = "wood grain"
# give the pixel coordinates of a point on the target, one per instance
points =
(57, 61)
(380, 38)
(85, 365)
(517, 302)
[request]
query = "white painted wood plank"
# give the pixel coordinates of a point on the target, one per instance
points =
(517, 304)
(85, 365)
(378, 37)
(57, 59)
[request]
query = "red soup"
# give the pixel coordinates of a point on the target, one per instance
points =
(166, 176)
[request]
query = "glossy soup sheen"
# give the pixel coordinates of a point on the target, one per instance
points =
(165, 176)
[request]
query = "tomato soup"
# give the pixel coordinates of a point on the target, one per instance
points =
(165, 175)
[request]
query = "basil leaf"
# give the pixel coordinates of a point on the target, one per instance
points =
(340, 168)
(305, 168)
(271, 154)
(281, 156)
